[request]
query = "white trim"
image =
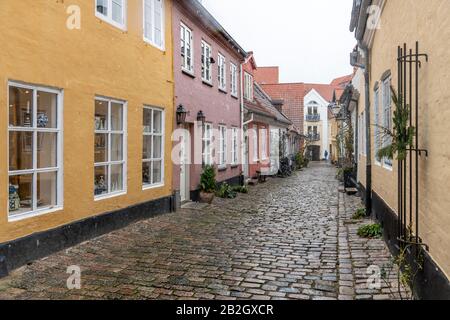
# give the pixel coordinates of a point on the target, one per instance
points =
(108, 18)
(205, 152)
(109, 132)
(248, 86)
(152, 42)
(35, 171)
(222, 72)
(222, 154)
(233, 80)
(184, 65)
(146, 186)
(206, 65)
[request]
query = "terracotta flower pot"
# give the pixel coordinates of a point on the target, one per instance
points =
(206, 197)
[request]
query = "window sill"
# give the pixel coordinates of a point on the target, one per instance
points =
(153, 186)
(235, 96)
(33, 214)
(223, 90)
(150, 43)
(234, 166)
(188, 73)
(102, 18)
(209, 84)
(110, 195)
(222, 169)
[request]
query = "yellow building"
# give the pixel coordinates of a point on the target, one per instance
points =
(85, 127)
(402, 24)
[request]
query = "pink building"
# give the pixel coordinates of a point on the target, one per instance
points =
(207, 63)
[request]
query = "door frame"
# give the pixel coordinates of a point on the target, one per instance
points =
(185, 151)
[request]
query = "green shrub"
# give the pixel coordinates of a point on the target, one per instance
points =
(226, 192)
(240, 189)
(208, 179)
(371, 231)
(359, 214)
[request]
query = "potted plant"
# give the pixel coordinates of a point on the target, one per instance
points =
(207, 184)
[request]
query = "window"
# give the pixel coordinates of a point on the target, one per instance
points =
(234, 84)
(377, 138)
(222, 73)
(255, 145)
(112, 11)
(187, 61)
(387, 116)
(207, 144)
(264, 144)
(222, 146)
(154, 22)
(248, 87)
(109, 148)
(153, 147)
(206, 62)
(234, 146)
(35, 150)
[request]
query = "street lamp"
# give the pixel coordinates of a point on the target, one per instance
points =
(181, 115)
(201, 117)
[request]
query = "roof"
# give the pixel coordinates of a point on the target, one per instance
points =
(195, 8)
(342, 81)
(267, 75)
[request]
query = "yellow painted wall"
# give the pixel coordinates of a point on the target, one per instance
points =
(99, 59)
(428, 22)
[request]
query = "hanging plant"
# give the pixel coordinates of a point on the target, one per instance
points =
(402, 135)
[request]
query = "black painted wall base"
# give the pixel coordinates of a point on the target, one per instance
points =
(431, 283)
(19, 252)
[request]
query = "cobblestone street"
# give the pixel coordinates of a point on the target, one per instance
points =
(287, 239)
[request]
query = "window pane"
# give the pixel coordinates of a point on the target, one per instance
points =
(20, 107)
(157, 121)
(20, 151)
(101, 115)
(20, 194)
(146, 173)
(47, 150)
(157, 141)
(147, 121)
(116, 178)
(148, 20)
(147, 149)
(102, 7)
(47, 104)
(101, 147)
(46, 190)
(117, 14)
(157, 173)
(116, 116)
(116, 147)
(101, 180)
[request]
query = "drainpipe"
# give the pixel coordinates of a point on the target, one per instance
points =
(241, 81)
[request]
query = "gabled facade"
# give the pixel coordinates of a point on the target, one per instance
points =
(85, 122)
(421, 205)
(207, 64)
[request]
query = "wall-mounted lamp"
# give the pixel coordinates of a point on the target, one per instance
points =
(201, 117)
(181, 115)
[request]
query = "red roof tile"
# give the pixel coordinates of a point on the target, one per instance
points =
(267, 75)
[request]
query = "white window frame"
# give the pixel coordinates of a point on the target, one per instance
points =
(248, 86)
(255, 145)
(151, 40)
(108, 18)
(376, 129)
(206, 62)
(264, 154)
(146, 186)
(207, 146)
(222, 72)
(234, 146)
(233, 78)
(186, 34)
(34, 212)
(387, 118)
(110, 163)
(222, 154)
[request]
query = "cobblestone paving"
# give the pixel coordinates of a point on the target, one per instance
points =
(287, 239)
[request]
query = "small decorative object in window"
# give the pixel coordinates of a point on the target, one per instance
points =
(100, 186)
(14, 199)
(42, 120)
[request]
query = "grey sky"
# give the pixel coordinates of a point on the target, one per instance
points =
(308, 39)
